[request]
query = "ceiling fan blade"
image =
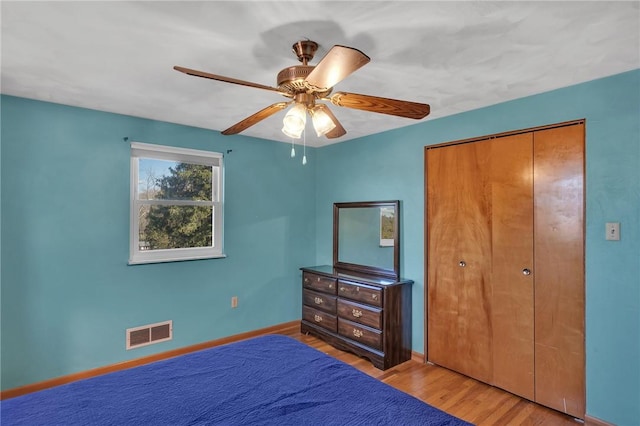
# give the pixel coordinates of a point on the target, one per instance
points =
(225, 79)
(336, 65)
(337, 131)
(255, 118)
(397, 107)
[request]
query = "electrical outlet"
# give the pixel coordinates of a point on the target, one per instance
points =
(613, 231)
(234, 302)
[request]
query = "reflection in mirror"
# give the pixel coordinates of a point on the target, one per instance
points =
(360, 236)
(366, 237)
(387, 226)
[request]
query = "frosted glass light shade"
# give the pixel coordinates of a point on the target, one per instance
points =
(322, 123)
(294, 121)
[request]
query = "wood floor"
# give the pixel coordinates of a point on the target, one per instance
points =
(461, 396)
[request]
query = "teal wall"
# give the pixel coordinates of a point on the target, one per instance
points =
(390, 165)
(68, 295)
(67, 292)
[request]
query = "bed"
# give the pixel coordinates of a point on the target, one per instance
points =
(270, 379)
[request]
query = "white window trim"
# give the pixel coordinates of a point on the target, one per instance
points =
(144, 150)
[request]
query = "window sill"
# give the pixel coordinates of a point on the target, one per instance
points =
(176, 259)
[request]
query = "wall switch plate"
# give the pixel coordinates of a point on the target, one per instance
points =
(234, 302)
(613, 231)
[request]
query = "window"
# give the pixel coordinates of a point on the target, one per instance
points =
(176, 204)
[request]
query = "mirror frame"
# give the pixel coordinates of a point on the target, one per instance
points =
(368, 269)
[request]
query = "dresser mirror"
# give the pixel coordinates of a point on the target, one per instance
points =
(366, 237)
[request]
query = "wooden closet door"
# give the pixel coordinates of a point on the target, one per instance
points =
(559, 270)
(512, 262)
(459, 259)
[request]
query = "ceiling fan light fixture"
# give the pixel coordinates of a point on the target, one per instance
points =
(291, 134)
(322, 123)
(294, 121)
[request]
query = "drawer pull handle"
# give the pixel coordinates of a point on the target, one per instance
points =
(306, 280)
(356, 313)
(318, 300)
(374, 296)
(357, 333)
(317, 318)
(343, 289)
(330, 285)
(318, 279)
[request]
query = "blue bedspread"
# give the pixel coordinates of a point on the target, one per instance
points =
(272, 380)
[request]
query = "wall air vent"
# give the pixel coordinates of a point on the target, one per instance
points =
(148, 334)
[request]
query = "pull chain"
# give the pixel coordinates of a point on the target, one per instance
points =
(304, 147)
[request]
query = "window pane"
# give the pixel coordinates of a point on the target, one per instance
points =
(171, 180)
(169, 227)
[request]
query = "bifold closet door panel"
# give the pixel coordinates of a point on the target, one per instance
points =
(459, 259)
(559, 270)
(512, 263)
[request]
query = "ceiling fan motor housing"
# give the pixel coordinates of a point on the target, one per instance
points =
(292, 81)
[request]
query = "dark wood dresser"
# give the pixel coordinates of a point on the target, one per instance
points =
(361, 313)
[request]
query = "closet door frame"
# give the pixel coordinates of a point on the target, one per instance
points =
(426, 206)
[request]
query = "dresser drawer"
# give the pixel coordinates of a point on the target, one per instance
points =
(360, 292)
(360, 333)
(360, 313)
(319, 282)
(321, 301)
(319, 318)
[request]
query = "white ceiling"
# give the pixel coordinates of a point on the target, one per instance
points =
(455, 56)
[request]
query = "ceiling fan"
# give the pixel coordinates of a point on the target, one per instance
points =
(306, 85)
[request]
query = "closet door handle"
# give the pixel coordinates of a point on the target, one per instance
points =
(462, 264)
(526, 271)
